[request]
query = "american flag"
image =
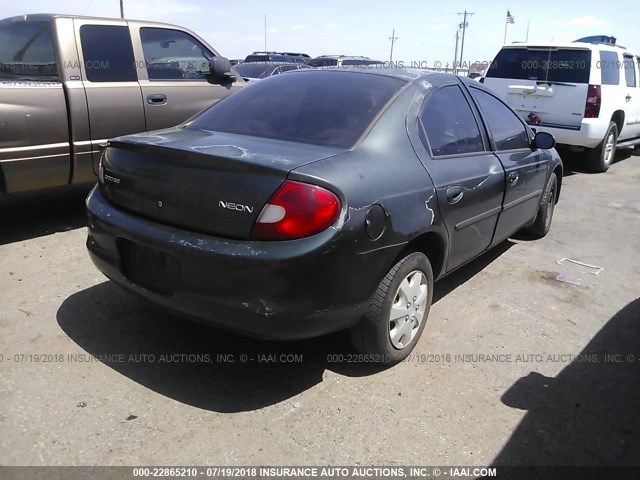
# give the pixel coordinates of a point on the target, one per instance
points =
(510, 18)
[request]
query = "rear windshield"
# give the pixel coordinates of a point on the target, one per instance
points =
(26, 50)
(253, 69)
(562, 65)
(323, 62)
(359, 61)
(330, 108)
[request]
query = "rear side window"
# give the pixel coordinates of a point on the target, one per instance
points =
(108, 54)
(610, 68)
(629, 71)
(174, 55)
(559, 65)
(26, 50)
(319, 107)
(448, 123)
(505, 126)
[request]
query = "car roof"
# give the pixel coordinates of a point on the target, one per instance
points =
(569, 45)
(48, 17)
(407, 74)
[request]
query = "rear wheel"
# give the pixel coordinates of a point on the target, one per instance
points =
(398, 312)
(542, 223)
(601, 157)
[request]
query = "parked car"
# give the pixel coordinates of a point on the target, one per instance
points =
(321, 200)
(342, 61)
(586, 94)
(67, 84)
(254, 71)
(282, 57)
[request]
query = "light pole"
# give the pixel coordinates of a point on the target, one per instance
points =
(464, 28)
(393, 39)
(121, 8)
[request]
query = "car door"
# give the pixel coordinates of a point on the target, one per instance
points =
(110, 81)
(526, 169)
(632, 98)
(468, 177)
(175, 76)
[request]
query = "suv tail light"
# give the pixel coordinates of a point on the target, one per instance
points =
(296, 210)
(594, 99)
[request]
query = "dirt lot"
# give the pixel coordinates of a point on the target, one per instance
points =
(514, 367)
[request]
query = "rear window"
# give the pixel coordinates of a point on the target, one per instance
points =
(252, 69)
(318, 107)
(361, 62)
(108, 53)
(562, 65)
(26, 50)
(323, 62)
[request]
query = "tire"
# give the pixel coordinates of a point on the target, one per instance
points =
(542, 223)
(387, 340)
(599, 159)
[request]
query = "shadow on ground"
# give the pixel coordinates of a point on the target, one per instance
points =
(576, 162)
(32, 215)
(106, 320)
(590, 413)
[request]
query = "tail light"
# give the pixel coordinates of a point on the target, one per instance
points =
(594, 99)
(296, 210)
(101, 166)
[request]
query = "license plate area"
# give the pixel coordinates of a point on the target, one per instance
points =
(149, 267)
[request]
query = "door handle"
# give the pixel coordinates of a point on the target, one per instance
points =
(454, 194)
(513, 178)
(628, 97)
(157, 99)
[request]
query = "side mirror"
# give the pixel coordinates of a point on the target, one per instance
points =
(543, 140)
(220, 69)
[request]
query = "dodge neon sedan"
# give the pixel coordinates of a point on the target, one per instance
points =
(321, 200)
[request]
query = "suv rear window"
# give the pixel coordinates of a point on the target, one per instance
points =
(26, 50)
(317, 107)
(561, 65)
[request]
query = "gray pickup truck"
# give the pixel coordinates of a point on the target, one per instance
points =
(68, 83)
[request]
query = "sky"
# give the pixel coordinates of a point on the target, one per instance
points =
(426, 29)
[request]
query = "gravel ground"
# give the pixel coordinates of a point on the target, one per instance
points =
(514, 367)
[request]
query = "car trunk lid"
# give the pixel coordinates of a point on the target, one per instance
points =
(211, 182)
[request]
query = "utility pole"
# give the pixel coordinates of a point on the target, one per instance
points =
(455, 58)
(464, 26)
(393, 39)
(121, 8)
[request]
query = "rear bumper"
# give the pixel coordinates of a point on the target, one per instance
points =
(276, 290)
(589, 135)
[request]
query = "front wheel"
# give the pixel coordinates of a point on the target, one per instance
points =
(601, 157)
(542, 223)
(398, 312)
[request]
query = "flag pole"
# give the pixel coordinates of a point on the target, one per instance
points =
(506, 24)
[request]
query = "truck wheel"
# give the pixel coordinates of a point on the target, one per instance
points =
(398, 312)
(599, 159)
(542, 223)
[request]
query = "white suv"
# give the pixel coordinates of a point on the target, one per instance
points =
(587, 95)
